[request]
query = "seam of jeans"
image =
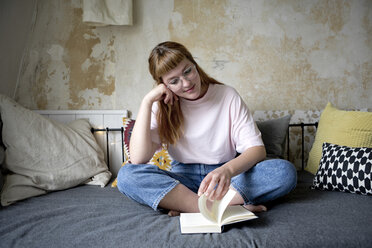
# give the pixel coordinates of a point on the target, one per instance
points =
(240, 191)
(166, 191)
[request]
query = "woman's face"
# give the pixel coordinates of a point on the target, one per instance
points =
(184, 81)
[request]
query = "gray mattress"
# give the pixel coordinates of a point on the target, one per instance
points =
(89, 216)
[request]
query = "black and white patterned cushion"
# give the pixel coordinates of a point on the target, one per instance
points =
(345, 169)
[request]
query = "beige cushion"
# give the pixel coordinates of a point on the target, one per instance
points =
(43, 155)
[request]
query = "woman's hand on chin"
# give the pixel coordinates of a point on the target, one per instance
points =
(159, 93)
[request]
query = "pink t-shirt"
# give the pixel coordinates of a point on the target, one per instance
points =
(216, 126)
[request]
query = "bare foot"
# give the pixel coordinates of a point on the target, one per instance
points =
(173, 213)
(255, 208)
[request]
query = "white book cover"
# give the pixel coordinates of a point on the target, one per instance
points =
(212, 218)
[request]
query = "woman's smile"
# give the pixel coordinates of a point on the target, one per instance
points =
(190, 89)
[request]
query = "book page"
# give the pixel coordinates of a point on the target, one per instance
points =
(218, 207)
(209, 214)
(223, 204)
(210, 220)
(235, 214)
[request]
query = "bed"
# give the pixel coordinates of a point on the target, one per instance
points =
(88, 215)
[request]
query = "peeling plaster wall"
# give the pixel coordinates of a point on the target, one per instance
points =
(12, 44)
(281, 54)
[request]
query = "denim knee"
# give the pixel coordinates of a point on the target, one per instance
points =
(125, 177)
(287, 176)
(129, 176)
(145, 183)
(266, 181)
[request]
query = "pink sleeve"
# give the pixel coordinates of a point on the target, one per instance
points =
(244, 130)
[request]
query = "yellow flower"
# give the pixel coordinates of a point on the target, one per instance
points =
(162, 160)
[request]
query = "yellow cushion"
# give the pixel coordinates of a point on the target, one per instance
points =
(161, 158)
(345, 128)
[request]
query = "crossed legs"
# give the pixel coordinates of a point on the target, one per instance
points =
(149, 185)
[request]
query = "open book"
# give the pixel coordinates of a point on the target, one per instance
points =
(212, 218)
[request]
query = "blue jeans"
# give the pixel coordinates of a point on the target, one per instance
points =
(147, 184)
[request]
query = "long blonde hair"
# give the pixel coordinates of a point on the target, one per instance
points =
(163, 58)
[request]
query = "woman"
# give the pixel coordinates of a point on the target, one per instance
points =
(204, 124)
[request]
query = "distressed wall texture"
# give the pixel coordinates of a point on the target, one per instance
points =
(281, 54)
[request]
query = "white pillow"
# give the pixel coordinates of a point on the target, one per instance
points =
(43, 155)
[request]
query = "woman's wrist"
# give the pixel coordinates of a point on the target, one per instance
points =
(246, 160)
(147, 101)
(230, 168)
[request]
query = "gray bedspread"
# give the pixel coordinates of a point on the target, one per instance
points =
(89, 216)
